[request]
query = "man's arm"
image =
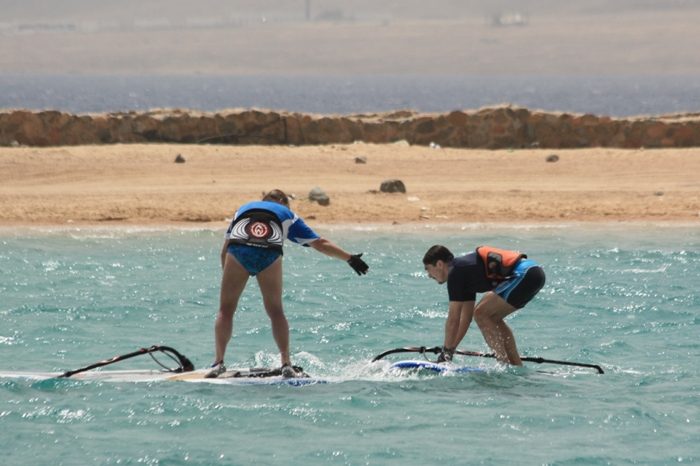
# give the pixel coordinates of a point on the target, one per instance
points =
(459, 318)
(464, 321)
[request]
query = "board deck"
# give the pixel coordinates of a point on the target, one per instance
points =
(156, 376)
(433, 367)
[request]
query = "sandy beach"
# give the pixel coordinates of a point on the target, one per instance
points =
(142, 184)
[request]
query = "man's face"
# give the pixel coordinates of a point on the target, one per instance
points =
(438, 272)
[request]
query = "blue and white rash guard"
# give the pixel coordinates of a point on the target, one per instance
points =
(249, 226)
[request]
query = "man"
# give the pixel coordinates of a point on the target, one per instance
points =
(253, 247)
(509, 280)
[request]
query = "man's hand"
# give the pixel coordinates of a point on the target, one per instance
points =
(357, 264)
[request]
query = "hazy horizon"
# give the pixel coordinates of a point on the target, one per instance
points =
(339, 37)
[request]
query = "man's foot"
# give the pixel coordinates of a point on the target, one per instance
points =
(216, 370)
(446, 355)
(288, 371)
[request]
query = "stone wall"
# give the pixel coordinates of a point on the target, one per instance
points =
(488, 128)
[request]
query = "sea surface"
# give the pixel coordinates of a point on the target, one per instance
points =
(616, 96)
(623, 296)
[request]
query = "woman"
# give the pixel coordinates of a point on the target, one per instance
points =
(253, 247)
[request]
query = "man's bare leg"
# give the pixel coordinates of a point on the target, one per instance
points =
(489, 315)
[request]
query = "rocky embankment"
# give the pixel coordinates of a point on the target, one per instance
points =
(487, 128)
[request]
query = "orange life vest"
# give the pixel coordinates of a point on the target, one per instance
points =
(499, 263)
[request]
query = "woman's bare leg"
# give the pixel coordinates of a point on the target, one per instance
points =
(270, 281)
(233, 283)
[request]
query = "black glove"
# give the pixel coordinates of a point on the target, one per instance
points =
(446, 355)
(357, 264)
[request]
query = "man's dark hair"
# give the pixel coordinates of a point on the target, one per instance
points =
(278, 196)
(437, 253)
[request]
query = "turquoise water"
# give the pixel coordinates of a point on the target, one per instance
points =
(622, 296)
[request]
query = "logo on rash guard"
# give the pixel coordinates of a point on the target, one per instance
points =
(259, 230)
